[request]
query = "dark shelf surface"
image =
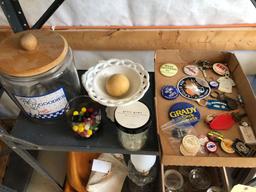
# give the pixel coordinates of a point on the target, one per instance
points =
(58, 136)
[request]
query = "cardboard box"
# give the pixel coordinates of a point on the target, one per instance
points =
(170, 151)
(216, 176)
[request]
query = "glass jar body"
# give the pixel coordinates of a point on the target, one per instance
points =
(132, 142)
(44, 96)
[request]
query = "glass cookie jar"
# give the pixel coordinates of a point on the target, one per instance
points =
(37, 71)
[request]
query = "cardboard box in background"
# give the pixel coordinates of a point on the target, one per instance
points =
(170, 154)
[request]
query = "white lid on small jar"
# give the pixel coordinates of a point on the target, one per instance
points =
(132, 116)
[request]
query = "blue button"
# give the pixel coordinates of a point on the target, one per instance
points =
(184, 114)
(169, 92)
(214, 84)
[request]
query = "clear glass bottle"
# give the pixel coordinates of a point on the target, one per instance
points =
(199, 179)
(173, 181)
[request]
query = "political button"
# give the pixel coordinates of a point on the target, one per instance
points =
(215, 136)
(226, 145)
(191, 70)
(203, 139)
(220, 68)
(168, 69)
(184, 114)
(191, 144)
(169, 92)
(211, 146)
(193, 88)
(185, 152)
(214, 84)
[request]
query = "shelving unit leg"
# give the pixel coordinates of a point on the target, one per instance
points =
(27, 157)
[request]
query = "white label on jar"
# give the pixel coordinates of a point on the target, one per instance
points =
(132, 116)
(44, 107)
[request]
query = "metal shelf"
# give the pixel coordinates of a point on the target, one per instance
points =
(18, 172)
(58, 136)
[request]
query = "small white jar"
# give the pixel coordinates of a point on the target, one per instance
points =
(133, 122)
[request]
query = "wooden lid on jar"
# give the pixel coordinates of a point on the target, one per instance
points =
(31, 53)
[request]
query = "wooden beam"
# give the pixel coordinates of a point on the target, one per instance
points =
(4, 34)
(152, 39)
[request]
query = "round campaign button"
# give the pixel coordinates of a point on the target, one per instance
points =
(214, 84)
(211, 146)
(191, 70)
(191, 143)
(185, 152)
(226, 145)
(193, 88)
(169, 92)
(220, 68)
(203, 139)
(168, 69)
(184, 114)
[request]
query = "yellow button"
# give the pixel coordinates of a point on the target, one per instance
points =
(226, 145)
(168, 69)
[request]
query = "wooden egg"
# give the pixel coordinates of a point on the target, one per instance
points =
(117, 85)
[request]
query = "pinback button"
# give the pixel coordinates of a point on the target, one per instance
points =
(169, 92)
(211, 146)
(214, 84)
(226, 145)
(168, 69)
(193, 88)
(203, 139)
(191, 70)
(215, 136)
(220, 68)
(191, 143)
(185, 152)
(185, 114)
